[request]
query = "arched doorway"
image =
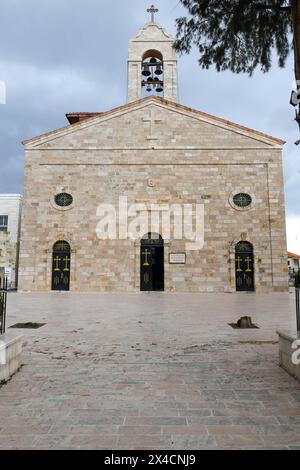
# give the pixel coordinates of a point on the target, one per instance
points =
(244, 267)
(152, 263)
(61, 265)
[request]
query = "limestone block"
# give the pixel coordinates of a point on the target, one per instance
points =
(118, 156)
(10, 354)
(286, 340)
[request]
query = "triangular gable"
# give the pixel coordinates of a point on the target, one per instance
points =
(160, 102)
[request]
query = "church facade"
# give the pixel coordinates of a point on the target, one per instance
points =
(153, 154)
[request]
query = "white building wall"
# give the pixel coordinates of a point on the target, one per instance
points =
(10, 205)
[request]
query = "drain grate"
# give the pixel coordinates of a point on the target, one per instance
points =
(29, 325)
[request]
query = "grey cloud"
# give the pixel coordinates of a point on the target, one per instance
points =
(58, 56)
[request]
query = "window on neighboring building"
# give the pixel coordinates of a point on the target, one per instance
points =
(3, 223)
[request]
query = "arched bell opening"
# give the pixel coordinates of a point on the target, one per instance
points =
(61, 266)
(152, 80)
(152, 263)
(244, 267)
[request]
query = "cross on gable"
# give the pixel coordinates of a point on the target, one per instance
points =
(152, 121)
(152, 10)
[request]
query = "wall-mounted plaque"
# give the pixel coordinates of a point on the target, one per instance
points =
(177, 258)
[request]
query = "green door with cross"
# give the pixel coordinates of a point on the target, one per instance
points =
(61, 266)
(244, 267)
(152, 263)
(147, 254)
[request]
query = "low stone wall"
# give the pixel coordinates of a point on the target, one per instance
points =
(289, 352)
(10, 354)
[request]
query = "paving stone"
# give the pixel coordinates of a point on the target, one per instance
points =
(141, 440)
(193, 430)
(155, 421)
(139, 430)
(89, 429)
(254, 421)
(93, 442)
(190, 412)
(289, 419)
(209, 420)
(230, 395)
(98, 420)
(234, 436)
(180, 442)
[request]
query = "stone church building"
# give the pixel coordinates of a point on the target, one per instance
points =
(153, 151)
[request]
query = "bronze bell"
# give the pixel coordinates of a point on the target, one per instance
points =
(153, 60)
(159, 89)
(146, 72)
(149, 88)
(158, 70)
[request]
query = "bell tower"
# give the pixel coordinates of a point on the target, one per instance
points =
(152, 63)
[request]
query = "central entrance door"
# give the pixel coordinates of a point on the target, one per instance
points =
(61, 265)
(244, 267)
(152, 263)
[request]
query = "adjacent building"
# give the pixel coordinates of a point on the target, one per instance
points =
(10, 217)
(293, 262)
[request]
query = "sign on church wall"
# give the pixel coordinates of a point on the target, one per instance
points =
(177, 258)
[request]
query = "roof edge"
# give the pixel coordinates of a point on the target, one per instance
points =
(163, 101)
(293, 255)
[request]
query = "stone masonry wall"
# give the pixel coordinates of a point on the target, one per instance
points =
(184, 161)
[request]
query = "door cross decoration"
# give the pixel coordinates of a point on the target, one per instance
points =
(61, 266)
(152, 263)
(244, 267)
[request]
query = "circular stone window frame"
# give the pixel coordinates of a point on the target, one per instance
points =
(238, 208)
(62, 208)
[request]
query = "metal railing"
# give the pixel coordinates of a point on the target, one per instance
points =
(292, 277)
(3, 298)
(297, 291)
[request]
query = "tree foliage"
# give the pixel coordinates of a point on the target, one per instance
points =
(236, 35)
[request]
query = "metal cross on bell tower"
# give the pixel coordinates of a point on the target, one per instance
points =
(152, 62)
(152, 10)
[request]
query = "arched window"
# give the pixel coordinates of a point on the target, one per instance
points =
(61, 246)
(152, 74)
(151, 236)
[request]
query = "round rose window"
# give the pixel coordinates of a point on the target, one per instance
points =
(242, 200)
(63, 199)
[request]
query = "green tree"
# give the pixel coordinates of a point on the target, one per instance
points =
(240, 35)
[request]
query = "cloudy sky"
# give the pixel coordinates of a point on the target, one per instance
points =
(58, 56)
